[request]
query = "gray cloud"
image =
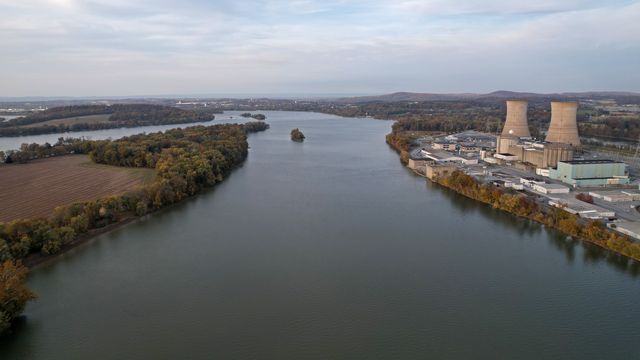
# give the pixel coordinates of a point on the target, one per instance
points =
(99, 47)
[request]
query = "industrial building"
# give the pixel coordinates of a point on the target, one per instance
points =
(471, 136)
(550, 188)
(541, 155)
(581, 208)
(444, 156)
(434, 171)
(626, 195)
(445, 145)
(580, 173)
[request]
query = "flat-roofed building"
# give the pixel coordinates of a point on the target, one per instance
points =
(590, 172)
(550, 188)
(444, 156)
(581, 208)
(434, 171)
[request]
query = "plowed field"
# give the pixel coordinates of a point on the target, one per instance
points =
(36, 188)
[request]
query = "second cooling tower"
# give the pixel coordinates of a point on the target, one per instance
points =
(516, 123)
(564, 125)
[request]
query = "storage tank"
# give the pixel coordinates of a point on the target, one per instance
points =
(564, 124)
(516, 123)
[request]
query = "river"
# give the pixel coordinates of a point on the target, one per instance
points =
(330, 249)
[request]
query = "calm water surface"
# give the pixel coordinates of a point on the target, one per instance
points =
(330, 249)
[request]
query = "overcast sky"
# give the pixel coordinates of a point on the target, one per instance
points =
(153, 47)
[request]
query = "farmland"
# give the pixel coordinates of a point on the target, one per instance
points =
(37, 188)
(88, 119)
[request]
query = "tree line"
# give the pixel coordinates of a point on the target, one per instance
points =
(186, 162)
(255, 116)
(121, 115)
(521, 205)
(622, 128)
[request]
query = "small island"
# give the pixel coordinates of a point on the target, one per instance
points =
(297, 135)
(255, 116)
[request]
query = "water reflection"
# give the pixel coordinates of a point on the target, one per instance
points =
(591, 253)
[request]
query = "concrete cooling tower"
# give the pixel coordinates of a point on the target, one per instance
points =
(564, 125)
(516, 123)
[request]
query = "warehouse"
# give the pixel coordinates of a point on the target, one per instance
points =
(590, 172)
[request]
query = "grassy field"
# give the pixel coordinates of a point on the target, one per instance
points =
(89, 119)
(35, 189)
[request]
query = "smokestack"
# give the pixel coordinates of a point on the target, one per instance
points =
(516, 123)
(564, 125)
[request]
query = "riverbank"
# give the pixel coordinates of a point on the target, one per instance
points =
(35, 259)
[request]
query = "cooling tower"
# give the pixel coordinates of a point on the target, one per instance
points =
(516, 123)
(564, 125)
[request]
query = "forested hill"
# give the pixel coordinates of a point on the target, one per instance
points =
(120, 115)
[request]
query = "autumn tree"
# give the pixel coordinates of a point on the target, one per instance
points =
(13, 292)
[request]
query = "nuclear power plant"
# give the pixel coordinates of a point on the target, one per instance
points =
(554, 169)
(515, 143)
(564, 127)
(516, 123)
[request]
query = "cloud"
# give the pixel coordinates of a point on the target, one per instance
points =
(496, 7)
(99, 47)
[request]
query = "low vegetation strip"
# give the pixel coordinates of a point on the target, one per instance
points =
(592, 231)
(186, 161)
(99, 117)
(87, 119)
(35, 189)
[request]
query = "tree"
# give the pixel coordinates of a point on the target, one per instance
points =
(297, 135)
(13, 292)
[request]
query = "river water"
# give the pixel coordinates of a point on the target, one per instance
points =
(330, 249)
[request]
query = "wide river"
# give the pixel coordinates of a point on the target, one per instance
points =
(330, 249)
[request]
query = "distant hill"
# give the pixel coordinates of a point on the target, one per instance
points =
(501, 94)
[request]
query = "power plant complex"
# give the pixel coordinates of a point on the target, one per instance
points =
(555, 168)
(554, 157)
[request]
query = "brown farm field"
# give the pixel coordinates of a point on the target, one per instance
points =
(35, 189)
(88, 119)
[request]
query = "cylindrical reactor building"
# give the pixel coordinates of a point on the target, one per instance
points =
(564, 125)
(516, 123)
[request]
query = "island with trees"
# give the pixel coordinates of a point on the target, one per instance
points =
(99, 117)
(255, 116)
(297, 135)
(186, 161)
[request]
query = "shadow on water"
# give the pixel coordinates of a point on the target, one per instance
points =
(591, 253)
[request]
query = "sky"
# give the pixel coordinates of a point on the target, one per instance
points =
(218, 47)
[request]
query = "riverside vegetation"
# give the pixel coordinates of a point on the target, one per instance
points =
(186, 161)
(255, 116)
